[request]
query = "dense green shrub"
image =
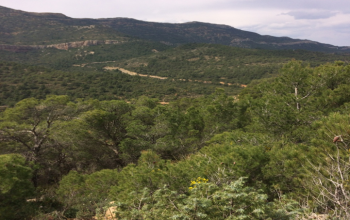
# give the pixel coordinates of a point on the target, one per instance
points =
(15, 187)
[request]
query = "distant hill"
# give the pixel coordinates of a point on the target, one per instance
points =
(26, 28)
(200, 32)
(121, 58)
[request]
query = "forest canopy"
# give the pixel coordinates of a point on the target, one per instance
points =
(278, 150)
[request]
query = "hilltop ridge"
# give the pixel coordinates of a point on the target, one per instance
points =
(29, 28)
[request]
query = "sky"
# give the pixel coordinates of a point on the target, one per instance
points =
(324, 21)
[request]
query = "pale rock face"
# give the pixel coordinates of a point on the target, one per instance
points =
(110, 213)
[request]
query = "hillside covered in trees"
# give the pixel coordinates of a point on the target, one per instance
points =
(279, 150)
(163, 72)
(144, 120)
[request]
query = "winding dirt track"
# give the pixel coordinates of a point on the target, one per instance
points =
(159, 77)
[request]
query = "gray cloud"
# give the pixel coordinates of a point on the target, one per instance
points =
(311, 14)
(335, 34)
(88, 8)
(334, 5)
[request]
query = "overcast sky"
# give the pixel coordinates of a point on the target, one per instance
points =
(325, 21)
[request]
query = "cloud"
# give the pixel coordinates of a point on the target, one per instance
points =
(311, 14)
(294, 5)
(333, 30)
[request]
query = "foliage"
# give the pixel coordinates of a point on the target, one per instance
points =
(68, 139)
(30, 124)
(279, 146)
(24, 81)
(192, 70)
(289, 104)
(205, 201)
(329, 172)
(15, 186)
(85, 193)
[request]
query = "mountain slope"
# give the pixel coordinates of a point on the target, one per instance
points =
(25, 28)
(212, 33)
